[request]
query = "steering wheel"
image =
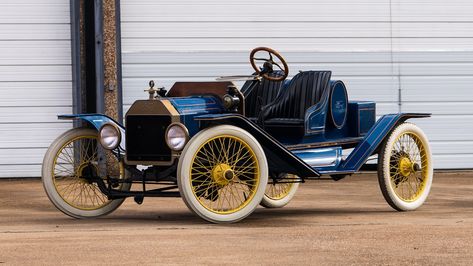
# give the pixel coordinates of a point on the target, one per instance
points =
(267, 69)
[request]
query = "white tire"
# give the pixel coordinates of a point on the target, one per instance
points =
(63, 164)
(405, 170)
(222, 174)
(279, 195)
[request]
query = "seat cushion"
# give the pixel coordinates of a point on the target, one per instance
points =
(282, 128)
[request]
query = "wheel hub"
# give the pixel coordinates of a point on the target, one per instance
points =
(222, 174)
(86, 172)
(406, 167)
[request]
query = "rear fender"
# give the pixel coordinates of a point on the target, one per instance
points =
(373, 139)
(97, 121)
(280, 160)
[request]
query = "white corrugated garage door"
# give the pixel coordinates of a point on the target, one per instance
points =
(406, 55)
(35, 81)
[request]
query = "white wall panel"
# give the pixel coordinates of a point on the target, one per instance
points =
(31, 52)
(214, 70)
(14, 32)
(245, 43)
(257, 11)
(432, 10)
(55, 93)
(439, 108)
(234, 29)
(35, 73)
(21, 157)
(32, 114)
(406, 55)
(437, 88)
(34, 12)
(447, 128)
(35, 81)
(12, 171)
(30, 135)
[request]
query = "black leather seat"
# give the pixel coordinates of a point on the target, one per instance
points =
(259, 94)
(288, 109)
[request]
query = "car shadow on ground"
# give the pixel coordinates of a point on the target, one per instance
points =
(184, 218)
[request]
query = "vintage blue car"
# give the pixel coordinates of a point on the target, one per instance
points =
(226, 150)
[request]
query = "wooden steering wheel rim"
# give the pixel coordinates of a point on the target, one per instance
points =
(266, 75)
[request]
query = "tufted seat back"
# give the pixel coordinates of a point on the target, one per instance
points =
(304, 90)
(258, 94)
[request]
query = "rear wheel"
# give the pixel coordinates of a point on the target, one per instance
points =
(222, 174)
(70, 159)
(278, 195)
(405, 168)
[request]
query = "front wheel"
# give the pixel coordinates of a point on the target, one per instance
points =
(405, 169)
(71, 158)
(222, 174)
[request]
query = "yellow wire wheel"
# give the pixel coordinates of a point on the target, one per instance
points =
(222, 174)
(70, 159)
(405, 169)
(278, 195)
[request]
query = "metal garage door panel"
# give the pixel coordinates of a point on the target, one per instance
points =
(35, 81)
(249, 10)
(432, 10)
(437, 88)
(30, 52)
(35, 135)
(24, 170)
(34, 11)
(32, 114)
(51, 93)
(291, 29)
(420, 55)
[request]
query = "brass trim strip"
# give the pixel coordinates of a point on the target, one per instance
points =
(170, 107)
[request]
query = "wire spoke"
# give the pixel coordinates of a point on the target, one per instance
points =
(211, 187)
(70, 163)
(407, 151)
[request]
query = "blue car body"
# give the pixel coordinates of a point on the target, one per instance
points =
(319, 151)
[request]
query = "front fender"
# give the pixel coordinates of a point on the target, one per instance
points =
(97, 121)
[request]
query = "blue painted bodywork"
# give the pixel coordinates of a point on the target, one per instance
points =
(330, 122)
(189, 107)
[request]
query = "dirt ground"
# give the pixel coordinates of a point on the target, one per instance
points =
(327, 223)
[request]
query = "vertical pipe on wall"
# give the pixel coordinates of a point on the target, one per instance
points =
(99, 60)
